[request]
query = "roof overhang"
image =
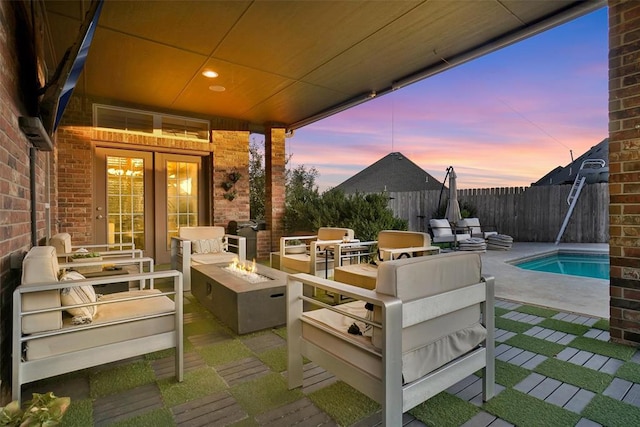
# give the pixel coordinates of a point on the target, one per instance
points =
(286, 64)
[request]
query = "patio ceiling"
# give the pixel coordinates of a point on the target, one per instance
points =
(288, 63)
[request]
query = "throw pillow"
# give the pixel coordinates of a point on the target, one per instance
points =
(205, 246)
(78, 295)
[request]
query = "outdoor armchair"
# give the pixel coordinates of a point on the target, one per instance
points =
(390, 244)
(476, 230)
(443, 232)
(204, 245)
(431, 326)
(494, 240)
(315, 255)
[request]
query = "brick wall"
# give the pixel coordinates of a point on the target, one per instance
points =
(15, 192)
(75, 172)
(624, 170)
(275, 159)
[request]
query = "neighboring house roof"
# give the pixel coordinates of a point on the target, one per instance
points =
(566, 175)
(394, 172)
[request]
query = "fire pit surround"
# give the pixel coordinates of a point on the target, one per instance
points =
(246, 301)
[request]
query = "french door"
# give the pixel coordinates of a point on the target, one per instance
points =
(144, 197)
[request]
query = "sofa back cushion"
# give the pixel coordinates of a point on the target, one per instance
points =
(61, 242)
(40, 265)
(402, 239)
(420, 277)
(334, 233)
(202, 232)
(413, 278)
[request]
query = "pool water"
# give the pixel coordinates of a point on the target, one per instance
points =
(573, 264)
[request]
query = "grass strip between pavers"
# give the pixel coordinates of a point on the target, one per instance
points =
(536, 311)
(444, 410)
(79, 414)
(155, 418)
(605, 348)
(562, 326)
(264, 394)
(343, 403)
(509, 374)
(275, 359)
(601, 324)
(573, 374)
(196, 384)
(499, 311)
(120, 378)
(523, 410)
(630, 371)
(535, 345)
(611, 412)
(224, 352)
(512, 325)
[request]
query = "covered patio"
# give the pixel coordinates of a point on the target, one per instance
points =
(142, 110)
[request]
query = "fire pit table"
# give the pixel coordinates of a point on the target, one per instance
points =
(242, 305)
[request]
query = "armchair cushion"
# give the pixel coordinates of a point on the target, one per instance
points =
(440, 227)
(204, 233)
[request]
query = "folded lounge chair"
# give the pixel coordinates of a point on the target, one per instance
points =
(494, 240)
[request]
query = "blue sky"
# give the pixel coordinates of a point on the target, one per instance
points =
(505, 119)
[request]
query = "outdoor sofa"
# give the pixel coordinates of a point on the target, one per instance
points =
(431, 326)
(204, 245)
(60, 325)
(66, 250)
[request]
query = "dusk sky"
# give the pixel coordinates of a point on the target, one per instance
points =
(505, 119)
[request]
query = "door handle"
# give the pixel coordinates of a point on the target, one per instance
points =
(100, 217)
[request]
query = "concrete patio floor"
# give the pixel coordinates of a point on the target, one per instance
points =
(581, 295)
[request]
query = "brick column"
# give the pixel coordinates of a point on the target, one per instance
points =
(274, 152)
(230, 154)
(624, 170)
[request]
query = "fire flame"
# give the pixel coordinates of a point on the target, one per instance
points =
(241, 267)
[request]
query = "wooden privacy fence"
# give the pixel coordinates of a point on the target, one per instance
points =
(529, 214)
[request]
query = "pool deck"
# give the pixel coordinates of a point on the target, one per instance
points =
(581, 295)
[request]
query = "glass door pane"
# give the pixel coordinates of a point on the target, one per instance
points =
(125, 200)
(182, 196)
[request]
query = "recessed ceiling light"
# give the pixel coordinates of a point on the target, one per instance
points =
(210, 74)
(217, 88)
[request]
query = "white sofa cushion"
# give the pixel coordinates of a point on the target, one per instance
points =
(61, 242)
(78, 295)
(40, 265)
(82, 338)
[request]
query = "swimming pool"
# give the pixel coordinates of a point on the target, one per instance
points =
(594, 265)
